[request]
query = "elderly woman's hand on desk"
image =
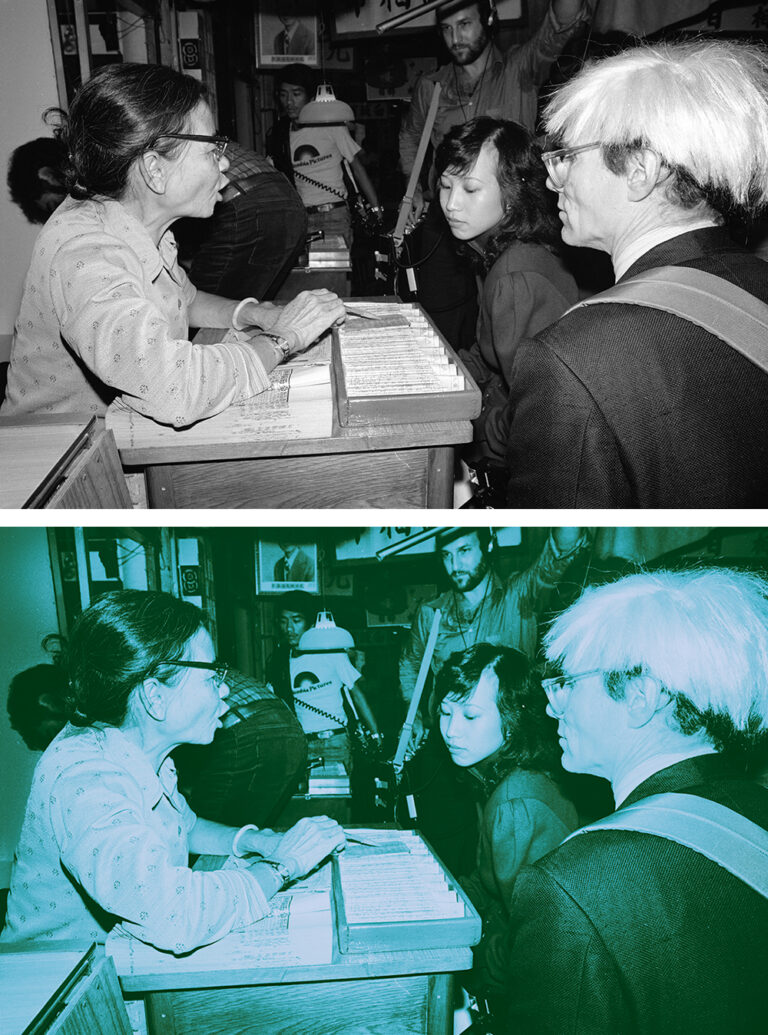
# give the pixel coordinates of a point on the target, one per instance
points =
(304, 318)
(306, 844)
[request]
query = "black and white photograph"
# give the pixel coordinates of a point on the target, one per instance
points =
(563, 753)
(288, 32)
(275, 286)
(384, 517)
(287, 564)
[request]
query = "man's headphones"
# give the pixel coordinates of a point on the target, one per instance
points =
(492, 17)
(486, 537)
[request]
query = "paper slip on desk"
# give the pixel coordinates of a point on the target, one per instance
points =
(297, 404)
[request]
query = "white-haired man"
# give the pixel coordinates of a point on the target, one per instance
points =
(621, 405)
(664, 689)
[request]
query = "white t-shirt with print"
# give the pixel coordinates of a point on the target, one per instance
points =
(317, 152)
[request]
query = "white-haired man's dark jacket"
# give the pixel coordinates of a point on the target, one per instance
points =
(622, 933)
(620, 405)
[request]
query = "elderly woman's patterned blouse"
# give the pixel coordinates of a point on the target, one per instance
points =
(104, 839)
(104, 314)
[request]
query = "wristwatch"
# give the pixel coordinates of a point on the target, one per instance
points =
(281, 344)
(282, 871)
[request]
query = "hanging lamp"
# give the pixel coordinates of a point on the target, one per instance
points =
(325, 109)
(325, 637)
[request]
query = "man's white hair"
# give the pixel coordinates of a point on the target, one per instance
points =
(702, 105)
(702, 633)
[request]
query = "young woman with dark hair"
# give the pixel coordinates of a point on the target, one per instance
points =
(106, 309)
(491, 711)
(107, 834)
(492, 189)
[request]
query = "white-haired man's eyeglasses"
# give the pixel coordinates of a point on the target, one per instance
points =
(558, 162)
(557, 683)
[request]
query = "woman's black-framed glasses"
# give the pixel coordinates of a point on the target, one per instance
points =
(219, 668)
(221, 142)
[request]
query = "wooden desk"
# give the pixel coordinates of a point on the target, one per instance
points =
(398, 992)
(380, 464)
(61, 461)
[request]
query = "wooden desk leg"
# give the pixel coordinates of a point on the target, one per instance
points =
(160, 489)
(440, 477)
(160, 1014)
(440, 1004)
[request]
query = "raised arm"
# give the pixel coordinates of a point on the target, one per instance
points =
(536, 582)
(537, 54)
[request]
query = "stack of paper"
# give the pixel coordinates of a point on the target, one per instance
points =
(329, 780)
(329, 253)
(298, 404)
(397, 880)
(297, 932)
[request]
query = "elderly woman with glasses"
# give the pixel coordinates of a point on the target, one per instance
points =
(107, 835)
(107, 310)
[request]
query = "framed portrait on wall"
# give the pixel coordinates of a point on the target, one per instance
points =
(285, 565)
(287, 33)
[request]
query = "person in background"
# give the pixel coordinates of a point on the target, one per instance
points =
(254, 763)
(36, 177)
(296, 612)
(294, 86)
(317, 154)
(106, 833)
(255, 235)
(479, 607)
(329, 698)
(106, 308)
(493, 194)
(613, 406)
(36, 704)
(479, 79)
(487, 702)
(663, 691)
